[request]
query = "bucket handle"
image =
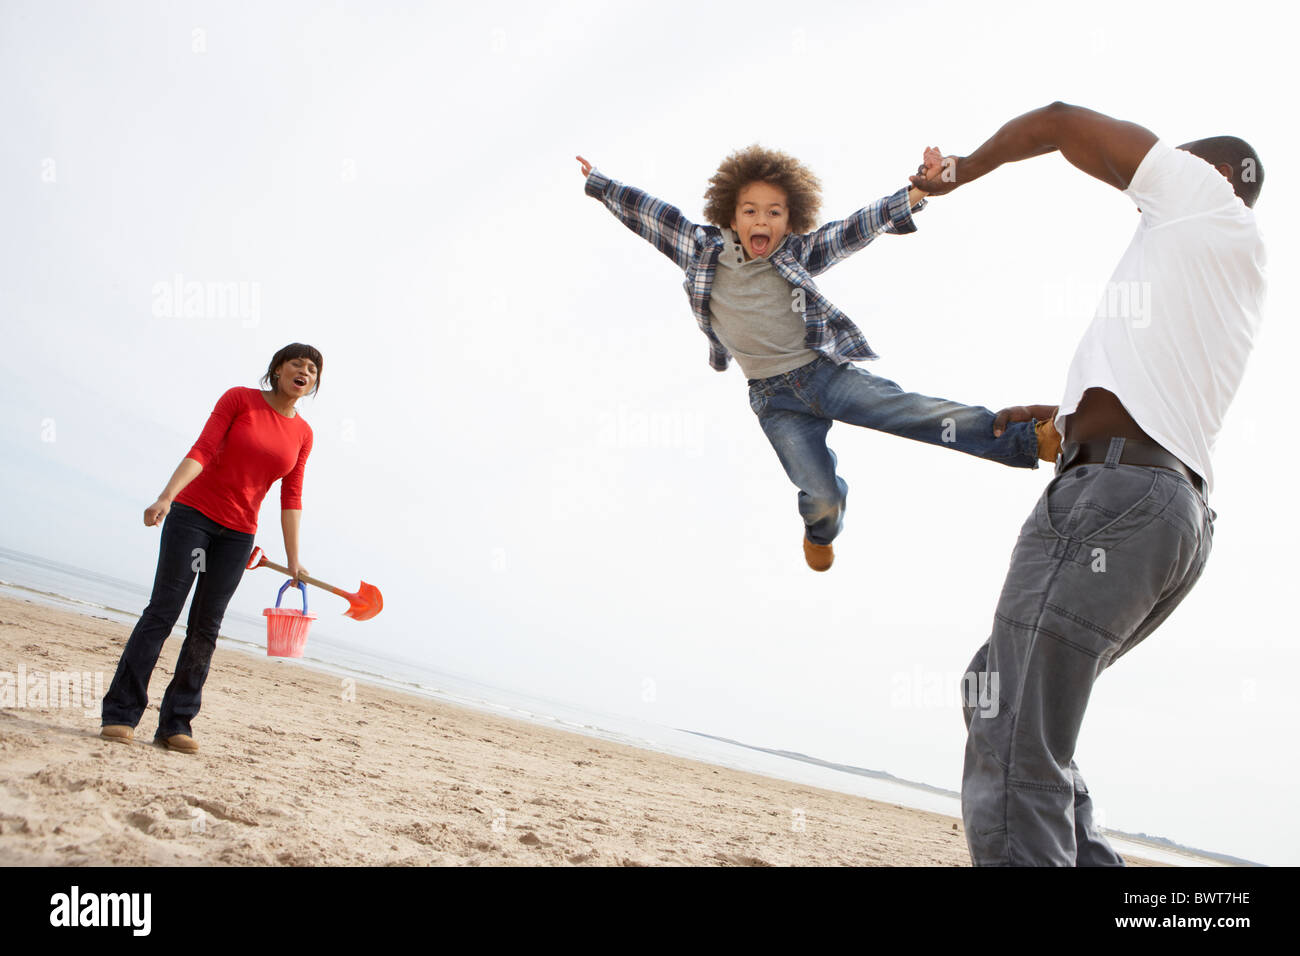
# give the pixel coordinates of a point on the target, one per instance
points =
(301, 587)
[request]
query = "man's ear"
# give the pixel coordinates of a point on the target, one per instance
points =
(1226, 170)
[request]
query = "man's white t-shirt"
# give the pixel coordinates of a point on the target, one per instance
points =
(1176, 323)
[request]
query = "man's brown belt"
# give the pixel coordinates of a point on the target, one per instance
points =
(1135, 453)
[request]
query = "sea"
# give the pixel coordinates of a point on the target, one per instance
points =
(56, 584)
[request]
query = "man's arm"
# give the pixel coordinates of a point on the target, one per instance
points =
(1103, 147)
(660, 224)
(828, 244)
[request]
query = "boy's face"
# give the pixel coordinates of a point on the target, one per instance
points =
(762, 218)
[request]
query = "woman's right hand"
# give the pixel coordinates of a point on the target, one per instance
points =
(154, 514)
(586, 166)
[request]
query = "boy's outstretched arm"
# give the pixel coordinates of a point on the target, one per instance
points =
(660, 224)
(1103, 147)
(829, 243)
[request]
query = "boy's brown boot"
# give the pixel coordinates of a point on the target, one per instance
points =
(1049, 440)
(818, 556)
(116, 732)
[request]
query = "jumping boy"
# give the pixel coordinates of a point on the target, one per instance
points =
(749, 280)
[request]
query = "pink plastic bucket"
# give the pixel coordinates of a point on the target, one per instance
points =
(286, 629)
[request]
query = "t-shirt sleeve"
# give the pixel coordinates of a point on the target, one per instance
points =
(291, 484)
(228, 406)
(1173, 184)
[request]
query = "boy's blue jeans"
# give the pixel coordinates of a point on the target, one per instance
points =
(796, 410)
(188, 536)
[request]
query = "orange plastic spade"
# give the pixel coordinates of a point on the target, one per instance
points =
(365, 602)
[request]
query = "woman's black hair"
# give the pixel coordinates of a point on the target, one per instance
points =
(292, 351)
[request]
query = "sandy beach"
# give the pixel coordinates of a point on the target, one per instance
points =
(299, 767)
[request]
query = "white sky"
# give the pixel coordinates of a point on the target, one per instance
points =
(518, 436)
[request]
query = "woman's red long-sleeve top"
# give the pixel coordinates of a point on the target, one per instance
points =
(246, 447)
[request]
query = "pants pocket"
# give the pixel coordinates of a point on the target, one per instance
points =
(1098, 505)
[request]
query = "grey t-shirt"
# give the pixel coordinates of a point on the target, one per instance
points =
(752, 314)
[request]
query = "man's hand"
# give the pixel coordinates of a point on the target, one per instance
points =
(937, 173)
(1022, 413)
(586, 167)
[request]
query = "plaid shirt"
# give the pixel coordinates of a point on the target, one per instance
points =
(695, 249)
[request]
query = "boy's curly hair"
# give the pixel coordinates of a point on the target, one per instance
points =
(803, 190)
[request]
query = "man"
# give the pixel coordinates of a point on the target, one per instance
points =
(1122, 533)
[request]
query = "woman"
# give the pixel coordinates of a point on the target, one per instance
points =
(252, 439)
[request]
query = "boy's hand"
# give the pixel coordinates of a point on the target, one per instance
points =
(586, 167)
(931, 162)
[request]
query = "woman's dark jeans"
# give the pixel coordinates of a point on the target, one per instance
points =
(191, 543)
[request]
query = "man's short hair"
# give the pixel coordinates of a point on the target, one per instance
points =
(1247, 171)
(803, 190)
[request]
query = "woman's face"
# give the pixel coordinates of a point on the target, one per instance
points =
(295, 377)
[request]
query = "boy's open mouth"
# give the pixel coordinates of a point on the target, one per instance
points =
(759, 243)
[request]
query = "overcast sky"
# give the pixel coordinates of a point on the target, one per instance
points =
(518, 436)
